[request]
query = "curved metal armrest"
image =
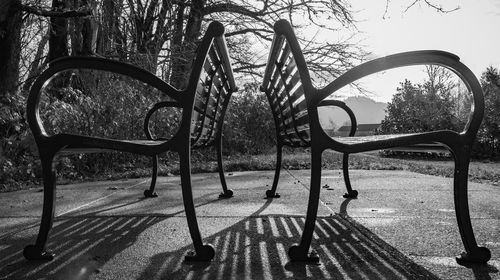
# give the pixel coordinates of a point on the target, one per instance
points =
(95, 63)
(156, 107)
(441, 58)
(354, 123)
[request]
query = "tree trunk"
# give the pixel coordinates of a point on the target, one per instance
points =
(10, 46)
(83, 30)
(58, 41)
(89, 31)
(110, 40)
(183, 50)
(37, 64)
(119, 40)
(106, 33)
(58, 47)
(163, 33)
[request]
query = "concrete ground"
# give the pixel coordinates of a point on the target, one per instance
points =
(402, 226)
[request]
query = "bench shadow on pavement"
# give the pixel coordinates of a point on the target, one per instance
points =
(254, 248)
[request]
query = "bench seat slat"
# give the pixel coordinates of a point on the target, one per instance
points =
(370, 138)
(86, 150)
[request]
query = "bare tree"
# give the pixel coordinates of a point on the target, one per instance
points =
(162, 35)
(83, 30)
(172, 28)
(110, 38)
(58, 42)
(251, 22)
(428, 3)
(10, 46)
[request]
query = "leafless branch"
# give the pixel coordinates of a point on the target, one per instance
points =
(84, 12)
(438, 8)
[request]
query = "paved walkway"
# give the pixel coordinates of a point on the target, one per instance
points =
(402, 226)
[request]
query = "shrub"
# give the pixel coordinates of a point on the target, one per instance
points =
(249, 125)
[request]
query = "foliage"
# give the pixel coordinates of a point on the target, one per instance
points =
(97, 104)
(16, 144)
(249, 126)
(439, 103)
(108, 105)
(417, 108)
(490, 129)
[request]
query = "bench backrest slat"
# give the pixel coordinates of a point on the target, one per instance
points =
(285, 93)
(213, 91)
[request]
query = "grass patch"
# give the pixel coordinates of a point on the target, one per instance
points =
(481, 172)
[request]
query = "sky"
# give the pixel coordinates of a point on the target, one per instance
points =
(471, 32)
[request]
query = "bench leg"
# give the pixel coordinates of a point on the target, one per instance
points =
(37, 251)
(300, 252)
(203, 252)
(473, 253)
(345, 168)
(151, 192)
(226, 193)
(272, 192)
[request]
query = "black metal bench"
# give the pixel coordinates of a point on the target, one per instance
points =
(294, 102)
(203, 104)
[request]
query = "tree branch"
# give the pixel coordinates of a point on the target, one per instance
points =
(249, 66)
(233, 8)
(84, 12)
(261, 33)
(438, 8)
